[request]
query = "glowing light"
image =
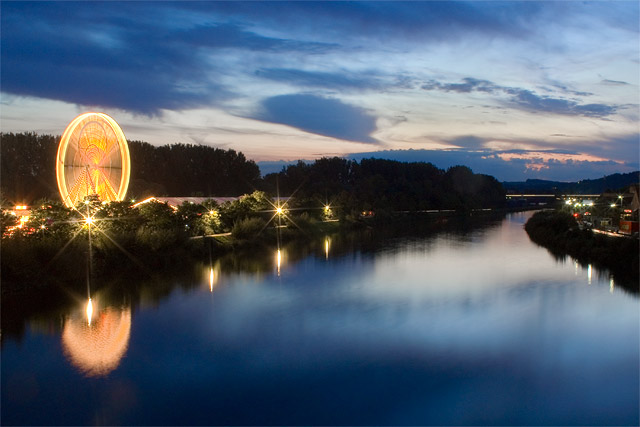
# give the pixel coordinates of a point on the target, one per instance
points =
(89, 220)
(21, 207)
(279, 211)
(326, 208)
(326, 248)
(278, 261)
(42, 226)
(613, 205)
(211, 279)
(589, 273)
(89, 312)
(568, 202)
(92, 158)
(611, 285)
(97, 350)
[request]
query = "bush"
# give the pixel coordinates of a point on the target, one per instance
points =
(248, 228)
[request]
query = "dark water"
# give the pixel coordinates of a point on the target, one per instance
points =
(474, 328)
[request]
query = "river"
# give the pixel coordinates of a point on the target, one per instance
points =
(461, 327)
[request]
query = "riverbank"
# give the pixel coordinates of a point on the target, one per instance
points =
(33, 263)
(559, 233)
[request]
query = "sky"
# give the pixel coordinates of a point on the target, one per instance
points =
(517, 90)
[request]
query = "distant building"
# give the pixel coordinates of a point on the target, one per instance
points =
(174, 202)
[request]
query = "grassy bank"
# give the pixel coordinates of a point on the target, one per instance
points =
(560, 234)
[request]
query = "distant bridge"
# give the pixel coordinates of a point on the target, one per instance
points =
(551, 195)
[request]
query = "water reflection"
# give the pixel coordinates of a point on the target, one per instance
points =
(278, 261)
(213, 275)
(327, 242)
(416, 330)
(89, 312)
(96, 344)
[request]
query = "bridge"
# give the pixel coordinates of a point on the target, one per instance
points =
(560, 196)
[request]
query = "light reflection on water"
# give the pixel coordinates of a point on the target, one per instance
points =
(96, 343)
(474, 328)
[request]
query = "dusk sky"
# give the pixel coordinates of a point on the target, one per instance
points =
(517, 90)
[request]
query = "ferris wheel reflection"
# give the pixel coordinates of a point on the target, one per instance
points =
(94, 338)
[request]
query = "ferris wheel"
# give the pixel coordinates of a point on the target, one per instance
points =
(93, 158)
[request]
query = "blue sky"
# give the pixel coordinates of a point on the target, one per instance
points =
(514, 89)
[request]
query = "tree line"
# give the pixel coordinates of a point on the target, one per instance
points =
(28, 174)
(386, 185)
(28, 171)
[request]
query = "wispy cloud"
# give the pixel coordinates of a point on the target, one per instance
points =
(525, 99)
(343, 80)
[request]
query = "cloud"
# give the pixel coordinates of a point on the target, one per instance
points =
(468, 142)
(613, 82)
(342, 80)
(233, 36)
(527, 100)
(64, 52)
(469, 85)
(124, 57)
(386, 21)
(322, 116)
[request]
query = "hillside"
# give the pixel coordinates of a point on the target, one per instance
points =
(613, 182)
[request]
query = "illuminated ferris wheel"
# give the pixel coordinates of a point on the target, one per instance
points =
(93, 158)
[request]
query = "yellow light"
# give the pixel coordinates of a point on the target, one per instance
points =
(613, 205)
(89, 221)
(326, 208)
(279, 261)
(326, 248)
(211, 277)
(589, 274)
(89, 311)
(42, 226)
(279, 212)
(568, 202)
